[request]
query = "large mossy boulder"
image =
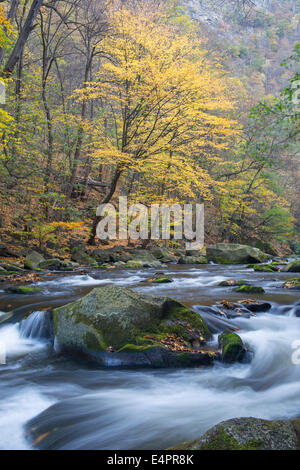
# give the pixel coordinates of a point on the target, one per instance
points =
(293, 267)
(229, 253)
(247, 434)
(121, 327)
(232, 347)
(33, 260)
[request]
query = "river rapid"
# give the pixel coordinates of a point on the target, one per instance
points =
(95, 408)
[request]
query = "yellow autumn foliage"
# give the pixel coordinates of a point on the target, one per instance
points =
(160, 96)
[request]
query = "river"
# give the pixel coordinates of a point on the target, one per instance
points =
(73, 404)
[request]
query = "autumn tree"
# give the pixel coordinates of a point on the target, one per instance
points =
(162, 105)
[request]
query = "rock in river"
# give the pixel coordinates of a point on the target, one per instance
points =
(230, 253)
(248, 434)
(121, 327)
(232, 347)
(293, 267)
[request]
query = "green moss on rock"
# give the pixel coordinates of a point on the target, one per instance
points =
(124, 320)
(246, 434)
(232, 347)
(250, 289)
(292, 284)
(24, 290)
(162, 280)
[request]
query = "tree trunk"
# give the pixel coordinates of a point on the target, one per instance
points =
(106, 200)
(23, 36)
(11, 16)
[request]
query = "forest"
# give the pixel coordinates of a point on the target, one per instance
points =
(141, 99)
(123, 122)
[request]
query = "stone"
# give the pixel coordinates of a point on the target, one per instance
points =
(250, 289)
(230, 253)
(137, 327)
(293, 267)
(248, 434)
(163, 255)
(79, 256)
(232, 347)
(33, 260)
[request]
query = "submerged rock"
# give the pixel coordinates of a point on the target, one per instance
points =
(232, 347)
(24, 290)
(230, 253)
(248, 434)
(121, 327)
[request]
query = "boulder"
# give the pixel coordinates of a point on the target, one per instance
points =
(101, 256)
(229, 253)
(33, 260)
(232, 310)
(293, 267)
(142, 259)
(80, 256)
(232, 347)
(256, 306)
(56, 264)
(192, 260)
(162, 254)
(247, 434)
(121, 327)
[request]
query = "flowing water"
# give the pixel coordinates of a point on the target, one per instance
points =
(73, 404)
